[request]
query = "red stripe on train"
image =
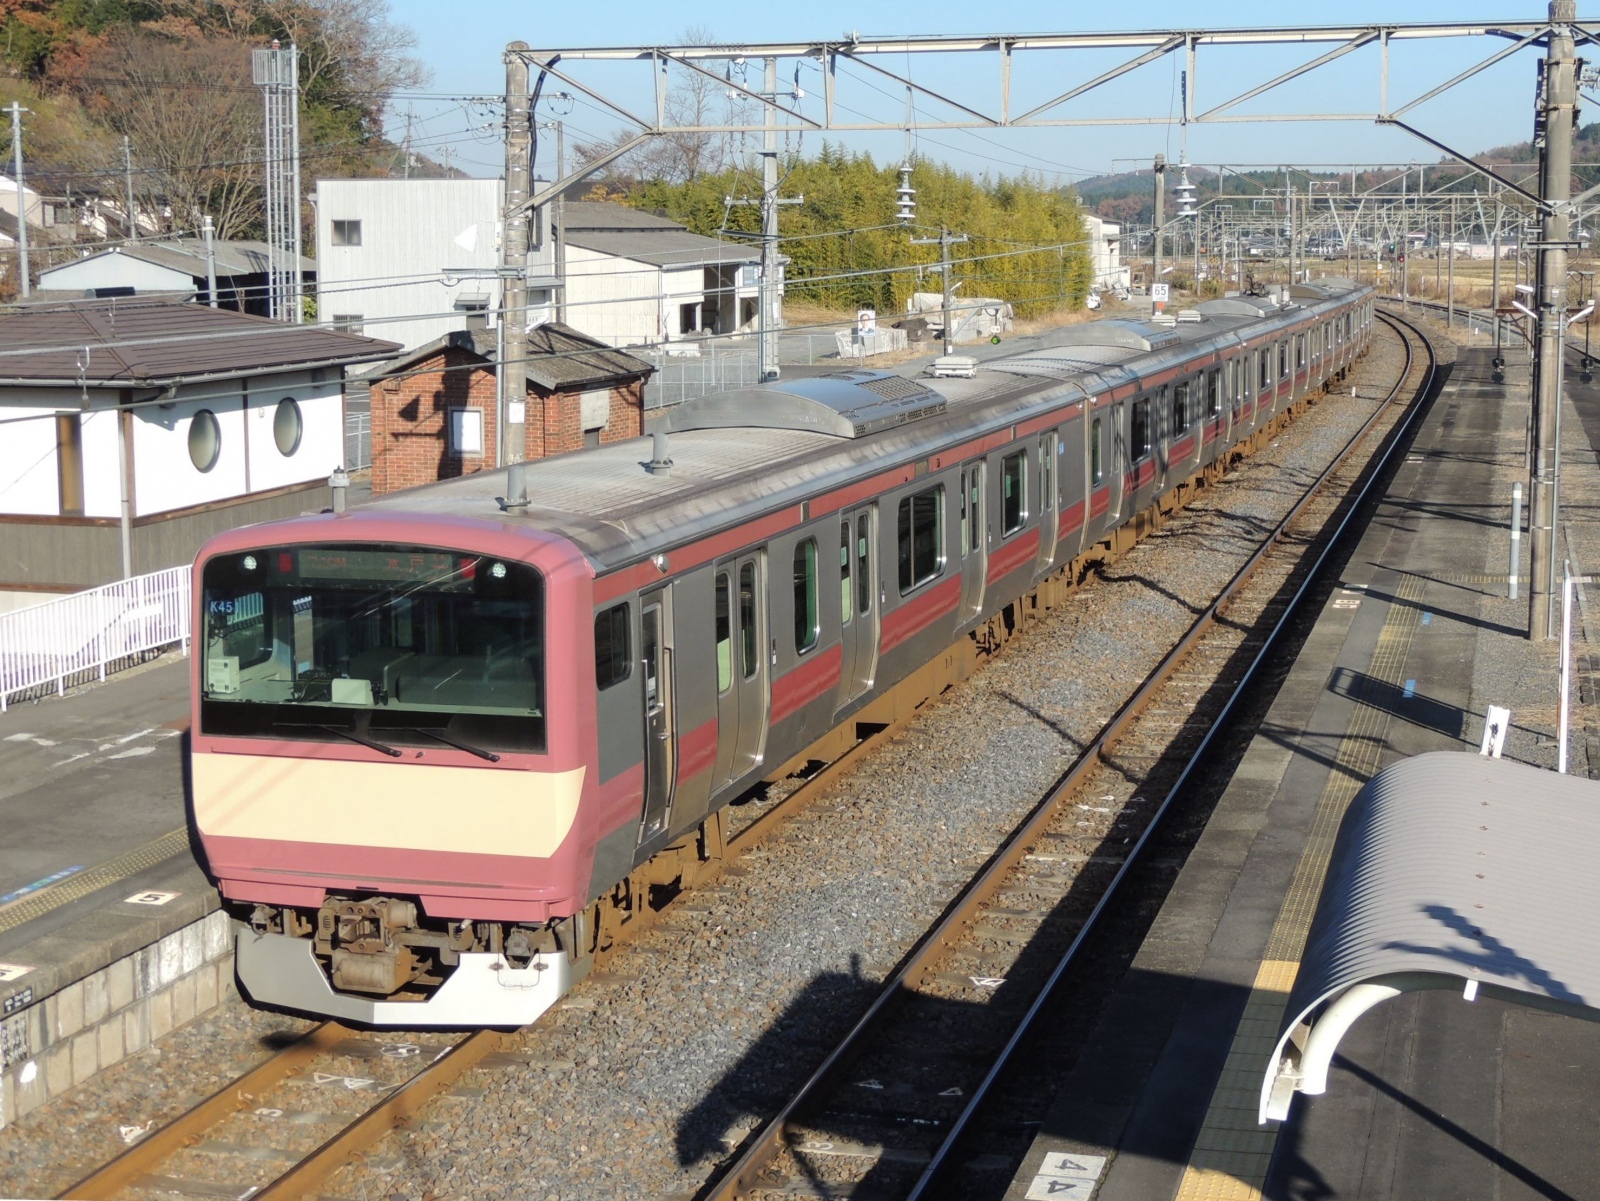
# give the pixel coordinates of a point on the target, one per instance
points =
(814, 677)
(915, 616)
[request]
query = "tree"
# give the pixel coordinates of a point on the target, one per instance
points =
(188, 108)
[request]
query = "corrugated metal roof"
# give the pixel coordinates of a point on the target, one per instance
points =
(1452, 867)
(188, 255)
(663, 247)
(145, 340)
(598, 214)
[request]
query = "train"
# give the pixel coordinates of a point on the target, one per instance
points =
(447, 745)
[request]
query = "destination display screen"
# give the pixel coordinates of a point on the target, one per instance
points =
(384, 565)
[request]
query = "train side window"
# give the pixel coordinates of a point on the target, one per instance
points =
(748, 662)
(1013, 492)
(1214, 393)
(1181, 415)
(921, 536)
(1283, 358)
(1097, 462)
(807, 627)
(975, 505)
(612, 661)
(863, 564)
(1139, 431)
(846, 602)
(1264, 361)
(965, 519)
(724, 619)
(1047, 472)
(1299, 352)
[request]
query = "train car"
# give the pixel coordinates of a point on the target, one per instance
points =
(446, 744)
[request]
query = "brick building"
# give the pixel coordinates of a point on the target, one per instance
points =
(434, 411)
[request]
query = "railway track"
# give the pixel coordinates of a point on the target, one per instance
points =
(285, 1128)
(891, 1110)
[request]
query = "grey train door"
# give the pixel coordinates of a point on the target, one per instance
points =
(739, 614)
(974, 539)
(660, 710)
(1048, 508)
(858, 600)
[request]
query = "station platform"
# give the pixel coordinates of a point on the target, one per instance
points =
(1431, 1096)
(110, 932)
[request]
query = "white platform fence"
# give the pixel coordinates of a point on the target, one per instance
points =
(53, 646)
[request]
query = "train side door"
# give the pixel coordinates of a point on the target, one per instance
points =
(1048, 508)
(660, 710)
(974, 538)
(739, 614)
(858, 599)
(1117, 462)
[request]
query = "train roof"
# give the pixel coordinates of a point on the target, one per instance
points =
(739, 454)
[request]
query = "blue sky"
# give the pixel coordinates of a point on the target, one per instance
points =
(463, 52)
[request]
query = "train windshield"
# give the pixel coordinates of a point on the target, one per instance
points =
(386, 646)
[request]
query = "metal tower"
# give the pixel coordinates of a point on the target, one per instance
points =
(277, 73)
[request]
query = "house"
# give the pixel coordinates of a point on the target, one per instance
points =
(634, 278)
(413, 259)
(175, 267)
(135, 428)
(436, 414)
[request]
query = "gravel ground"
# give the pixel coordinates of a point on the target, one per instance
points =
(642, 1080)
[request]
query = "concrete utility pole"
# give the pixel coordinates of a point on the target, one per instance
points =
(1161, 207)
(768, 317)
(127, 181)
(946, 240)
(22, 204)
(1494, 297)
(1557, 113)
(558, 224)
(513, 399)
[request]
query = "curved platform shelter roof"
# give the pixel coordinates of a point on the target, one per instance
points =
(1450, 870)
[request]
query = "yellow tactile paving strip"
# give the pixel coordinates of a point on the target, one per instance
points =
(25, 909)
(1232, 1152)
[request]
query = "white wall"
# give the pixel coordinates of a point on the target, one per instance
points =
(164, 477)
(321, 446)
(29, 481)
(411, 229)
(102, 481)
(618, 301)
(114, 270)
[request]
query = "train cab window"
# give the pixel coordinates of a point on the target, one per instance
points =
(1139, 431)
(1013, 493)
(846, 601)
(612, 662)
(1097, 455)
(1214, 393)
(807, 627)
(921, 538)
(724, 619)
(749, 662)
(1182, 415)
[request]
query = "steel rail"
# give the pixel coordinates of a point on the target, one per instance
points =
(185, 1129)
(941, 1158)
(392, 1113)
(740, 1177)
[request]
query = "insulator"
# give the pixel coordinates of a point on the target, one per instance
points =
(905, 198)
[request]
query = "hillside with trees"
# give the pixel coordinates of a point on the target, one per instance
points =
(173, 77)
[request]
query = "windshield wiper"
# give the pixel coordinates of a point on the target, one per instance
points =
(350, 734)
(460, 746)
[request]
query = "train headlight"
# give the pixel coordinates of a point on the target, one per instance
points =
(498, 571)
(249, 562)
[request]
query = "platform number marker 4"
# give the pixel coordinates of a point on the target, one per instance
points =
(1064, 1176)
(152, 898)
